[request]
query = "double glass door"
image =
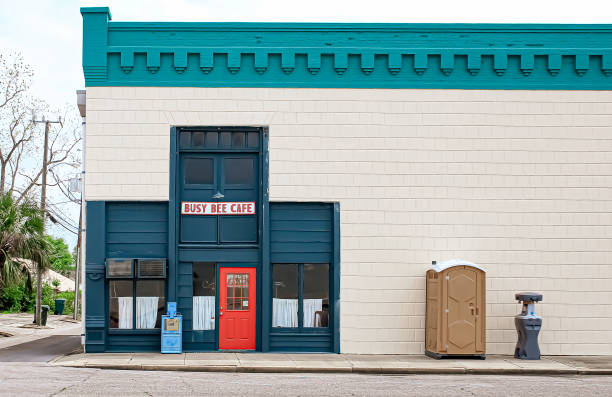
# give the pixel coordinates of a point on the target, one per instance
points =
(227, 184)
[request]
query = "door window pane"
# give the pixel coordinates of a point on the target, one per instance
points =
(204, 291)
(150, 303)
(237, 291)
(239, 171)
(199, 171)
(316, 295)
(285, 295)
(121, 304)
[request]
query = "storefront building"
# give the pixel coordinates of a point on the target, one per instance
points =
(288, 185)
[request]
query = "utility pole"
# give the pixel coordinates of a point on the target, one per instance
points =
(43, 206)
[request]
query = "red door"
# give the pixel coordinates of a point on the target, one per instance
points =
(237, 308)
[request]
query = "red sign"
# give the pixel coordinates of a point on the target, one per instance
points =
(217, 208)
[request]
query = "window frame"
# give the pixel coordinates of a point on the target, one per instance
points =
(134, 279)
(300, 328)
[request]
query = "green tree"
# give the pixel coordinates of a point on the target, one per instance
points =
(61, 260)
(21, 236)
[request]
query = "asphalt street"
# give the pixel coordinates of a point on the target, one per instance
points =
(39, 379)
(41, 350)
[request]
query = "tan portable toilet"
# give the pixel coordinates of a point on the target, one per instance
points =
(455, 318)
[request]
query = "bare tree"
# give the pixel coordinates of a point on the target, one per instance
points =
(21, 144)
(15, 122)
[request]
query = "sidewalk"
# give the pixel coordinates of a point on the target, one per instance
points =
(13, 324)
(339, 363)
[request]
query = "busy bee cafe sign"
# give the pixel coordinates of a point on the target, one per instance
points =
(218, 208)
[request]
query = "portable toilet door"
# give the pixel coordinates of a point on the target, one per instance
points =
(461, 315)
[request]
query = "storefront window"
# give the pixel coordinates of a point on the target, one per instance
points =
(204, 291)
(285, 299)
(150, 303)
(300, 296)
(316, 295)
(121, 304)
(137, 301)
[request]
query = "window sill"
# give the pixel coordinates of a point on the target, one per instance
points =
(119, 331)
(299, 331)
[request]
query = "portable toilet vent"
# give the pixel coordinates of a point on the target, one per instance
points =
(455, 317)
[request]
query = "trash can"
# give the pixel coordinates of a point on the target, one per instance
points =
(44, 312)
(528, 326)
(455, 313)
(59, 306)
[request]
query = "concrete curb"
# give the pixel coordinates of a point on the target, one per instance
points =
(347, 370)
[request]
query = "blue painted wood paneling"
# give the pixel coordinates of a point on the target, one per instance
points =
(301, 232)
(136, 229)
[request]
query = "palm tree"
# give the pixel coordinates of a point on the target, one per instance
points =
(21, 236)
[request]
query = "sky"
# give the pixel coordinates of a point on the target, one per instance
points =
(48, 33)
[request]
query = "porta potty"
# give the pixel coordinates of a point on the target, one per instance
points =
(455, 315)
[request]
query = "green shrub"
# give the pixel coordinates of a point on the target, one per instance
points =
(15, 298)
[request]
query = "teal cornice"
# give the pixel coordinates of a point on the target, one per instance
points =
(467, 56)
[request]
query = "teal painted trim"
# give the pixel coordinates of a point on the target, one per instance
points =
(172, 219)
(266, 275)
(336, 55)
(336, 279)
(95, 315)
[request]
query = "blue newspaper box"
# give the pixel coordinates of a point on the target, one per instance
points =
(172, 330)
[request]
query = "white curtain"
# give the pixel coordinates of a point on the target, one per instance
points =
(203, 312)
(125, 312)
(146, 311)
(311, 306)
(284, 313)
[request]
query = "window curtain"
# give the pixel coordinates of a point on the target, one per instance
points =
(311, 306)
(146, 311)
(203, 312)
(284, 313)
(125, 312)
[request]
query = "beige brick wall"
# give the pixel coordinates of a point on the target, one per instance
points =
(518, 181)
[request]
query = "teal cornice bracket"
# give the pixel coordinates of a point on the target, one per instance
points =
(153, 61)
(420, 63)
(332, 55)
(394, 62)
(261, 61)
(554, 64)
(206, 61)
(527, 63)
(367, 62)
(474, 63)
(95, 41)
(233, 61)
(606, 64)
(447, 63)
(340, 62)
(582, 64)
(314, 62)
